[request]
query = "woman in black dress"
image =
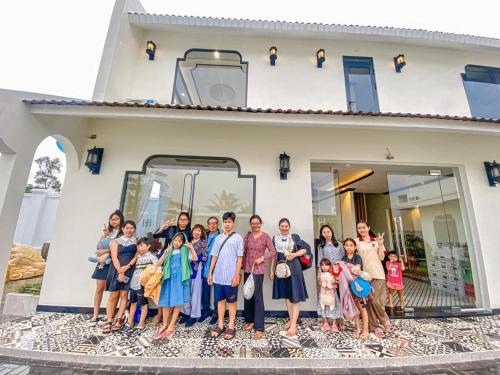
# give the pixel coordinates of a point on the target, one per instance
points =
(289, 248)
(111, 231)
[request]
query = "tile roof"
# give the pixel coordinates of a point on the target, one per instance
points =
(89, 103)
(284, 26)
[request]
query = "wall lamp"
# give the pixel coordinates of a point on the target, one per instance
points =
(493, 172)
(320, 57)
(94, 159)
(284, 166)
(273, 55)
(151, 49)
(399, 62)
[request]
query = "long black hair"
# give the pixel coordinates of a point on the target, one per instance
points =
(322, 239)
(188, 227)
(120, 226)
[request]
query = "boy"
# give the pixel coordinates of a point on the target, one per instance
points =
(224, 274)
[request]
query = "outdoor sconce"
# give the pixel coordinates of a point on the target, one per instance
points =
(151, 49)
(284, 166)
(320, 57)
(399, 62)
(273, 55)
(94, 159)
(493, 172)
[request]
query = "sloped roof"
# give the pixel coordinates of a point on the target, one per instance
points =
(315, 28)
(257, 110)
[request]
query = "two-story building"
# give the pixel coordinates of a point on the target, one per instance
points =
(197, 121)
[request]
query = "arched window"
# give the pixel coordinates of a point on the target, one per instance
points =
(203, 186)
(211, 77)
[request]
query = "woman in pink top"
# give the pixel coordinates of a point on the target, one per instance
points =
(256, 242)
(395, 268)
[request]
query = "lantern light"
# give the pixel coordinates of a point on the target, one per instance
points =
(399, 62)
(151, 49)
(273, 55)
(94, 159)
(320, 57)
(493, 172)
(284, 166)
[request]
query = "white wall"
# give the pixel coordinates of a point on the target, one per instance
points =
(87, 200)
(36, 219)
(430, 82)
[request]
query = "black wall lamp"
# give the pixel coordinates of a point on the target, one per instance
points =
(399, 62)
(273, 55)
(284, 166)
(320, 57)
(493, 172)
(94, 159)
(151, 49)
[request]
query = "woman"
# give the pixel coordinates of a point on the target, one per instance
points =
(290, 248)
(123, 257)
(112, 230)
(255, 244)
(372, 252)
(328, 247)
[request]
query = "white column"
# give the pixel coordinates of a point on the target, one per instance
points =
(14, 172)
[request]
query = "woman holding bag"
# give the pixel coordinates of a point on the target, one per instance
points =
(255, 244)
(293, 255)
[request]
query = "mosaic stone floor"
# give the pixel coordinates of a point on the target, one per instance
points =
(71, 333)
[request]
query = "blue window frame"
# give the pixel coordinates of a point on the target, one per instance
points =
(361, 89)
(482, 87)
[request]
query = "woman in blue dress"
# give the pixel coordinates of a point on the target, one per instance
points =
(289, 248)
(123, 256)
(176, 287)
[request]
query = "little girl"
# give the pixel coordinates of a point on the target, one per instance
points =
(395, 270)
(353, 259)
(175, 290)
(329, 304)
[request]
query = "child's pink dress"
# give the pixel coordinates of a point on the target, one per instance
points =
(394, 276)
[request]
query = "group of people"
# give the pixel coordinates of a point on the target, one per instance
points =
(179, 276)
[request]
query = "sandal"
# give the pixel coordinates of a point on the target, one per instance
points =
(231, 332)
(248, 327)
(217, 331)
(106, 328)
(258, 335)
(334, 328)
(117, 326)
(289, 334)
(326, 327)
(388, 325)
(356, 334)
(379, 333)
(364, 335)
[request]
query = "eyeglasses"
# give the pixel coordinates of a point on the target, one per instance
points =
(255, 224)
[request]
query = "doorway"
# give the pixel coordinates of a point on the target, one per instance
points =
(422, 213)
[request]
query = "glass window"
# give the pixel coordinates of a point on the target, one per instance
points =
(202, 186)
(361, 89)
(211, 77)
(482, 87)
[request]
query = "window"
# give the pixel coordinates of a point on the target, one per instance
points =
(211, 77)
(482, 87)
(202, 186)
(360, 84)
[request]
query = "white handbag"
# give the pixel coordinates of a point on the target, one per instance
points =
(283, 270)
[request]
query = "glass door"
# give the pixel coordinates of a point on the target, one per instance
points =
(428, 232)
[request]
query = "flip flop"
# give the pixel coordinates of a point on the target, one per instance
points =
(218, 331)
(231, 332)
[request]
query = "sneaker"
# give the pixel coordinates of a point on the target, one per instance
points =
(214, 320)
(190, 322)
(93, 259)
(183, 319)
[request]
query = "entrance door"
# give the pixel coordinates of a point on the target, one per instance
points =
(428, 233)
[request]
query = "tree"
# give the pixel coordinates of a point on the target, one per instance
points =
(224, 202)
(46, 176)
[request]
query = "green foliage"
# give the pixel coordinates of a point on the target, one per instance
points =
(30, 289)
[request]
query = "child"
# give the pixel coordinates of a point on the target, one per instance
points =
(103, 244)
(329, 304)
(145, 258)
(175, 290)
(352, 258)
(200, 246)
(395, 268)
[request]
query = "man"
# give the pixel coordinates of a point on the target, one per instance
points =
(213, 232)
(224, 275)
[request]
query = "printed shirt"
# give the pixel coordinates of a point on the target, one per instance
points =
(143, 261)
(371, 261)
(256, 248)
(394, 274)
(331, 252)
(227, 258)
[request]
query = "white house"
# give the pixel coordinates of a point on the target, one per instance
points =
(202, 125)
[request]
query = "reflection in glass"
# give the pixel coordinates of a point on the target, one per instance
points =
(360, 82)
(482, 86)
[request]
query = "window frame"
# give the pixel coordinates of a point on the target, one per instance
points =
(360, 62)
(493, 73)
(179, 59)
